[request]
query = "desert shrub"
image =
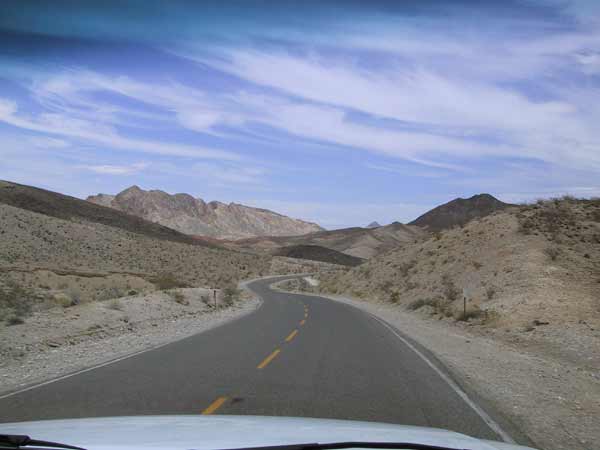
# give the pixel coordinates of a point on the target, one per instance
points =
(386, 285)
(132, 292)
(470, 313)
(63, 300)
(405, 267)
(395, 297)
(451, 292)
(421, 302)
(230, 295)
(490, 317)
(112, 292)
(14, 319)
(206, 300)
(115, 304)
(15, 303)
(75, 296)
(167, 281)
(490, 292)
(552, 252)
(178, 297)
(410, 285)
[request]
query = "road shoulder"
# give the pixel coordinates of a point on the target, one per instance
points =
(534, 395)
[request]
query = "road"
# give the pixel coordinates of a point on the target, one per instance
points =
(297, 355)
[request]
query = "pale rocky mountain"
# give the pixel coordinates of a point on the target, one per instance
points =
(194, 216)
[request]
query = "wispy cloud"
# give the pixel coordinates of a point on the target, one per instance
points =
(108, 169)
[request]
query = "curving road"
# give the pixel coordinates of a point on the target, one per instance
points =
(297, 355)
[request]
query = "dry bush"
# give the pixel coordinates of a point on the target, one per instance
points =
(178, 297)
(404, 268)
(230, 295)
(473, 312)
(166, 281)
(15, 303)
(490, 292)
(63, 300)
(395, 297)
(110, 293)
(115, 304)
(552, 252)
(451, 292)
(421, 302)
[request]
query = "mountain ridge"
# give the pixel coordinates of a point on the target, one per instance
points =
(194, 216)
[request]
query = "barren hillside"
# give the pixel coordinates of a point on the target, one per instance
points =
(528, 272)
(58, 251)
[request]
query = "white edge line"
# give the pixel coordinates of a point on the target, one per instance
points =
(455, 387)
(121, 358)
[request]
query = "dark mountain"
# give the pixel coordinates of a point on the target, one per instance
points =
(458, 212)
(373, 225)
(318, 253)
(355, 241)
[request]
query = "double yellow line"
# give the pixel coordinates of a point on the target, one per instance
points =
(265, 362)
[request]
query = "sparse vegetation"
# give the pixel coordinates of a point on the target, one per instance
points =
(178, 297)
(15, 303)
(490, 292)
(450, 290)
(552, 252)
(166, 281)
(472, 312)
(231, 294)
(115, 304)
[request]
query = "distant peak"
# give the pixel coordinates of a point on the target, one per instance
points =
(373, 225)
(132, 189)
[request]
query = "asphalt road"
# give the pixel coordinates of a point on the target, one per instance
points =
(297, 355)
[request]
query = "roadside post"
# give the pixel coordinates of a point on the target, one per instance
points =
(215, 297)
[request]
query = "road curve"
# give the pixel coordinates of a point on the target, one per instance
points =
(297, 355)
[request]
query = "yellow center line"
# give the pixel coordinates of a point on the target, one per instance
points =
(268, 359)
(302, 322)
(214, 405)
(291, 336)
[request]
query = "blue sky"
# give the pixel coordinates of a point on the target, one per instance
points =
(336, 112)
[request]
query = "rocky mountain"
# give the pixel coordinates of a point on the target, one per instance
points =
(458, 212)
(194, 216)
(373, 225)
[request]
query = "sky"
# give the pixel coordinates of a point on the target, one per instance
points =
(338, 112)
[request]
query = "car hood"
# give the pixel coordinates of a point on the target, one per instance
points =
(229, 432)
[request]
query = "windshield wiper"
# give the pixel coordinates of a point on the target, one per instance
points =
(16, 441)
(344, 445)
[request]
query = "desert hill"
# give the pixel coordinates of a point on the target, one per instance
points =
(458, 212)
(69, 208)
